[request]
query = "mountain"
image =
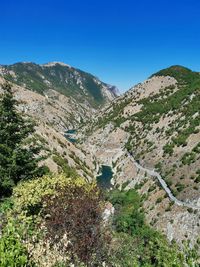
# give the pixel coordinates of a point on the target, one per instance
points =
(152, 132)
(149, 137)
(71, 82)
(60, 94)
(58, 98)
(53, 115)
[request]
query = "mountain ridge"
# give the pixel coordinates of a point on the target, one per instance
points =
(62, 78)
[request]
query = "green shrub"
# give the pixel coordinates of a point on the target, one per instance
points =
(135, 243)
(12, 252)
(159, 200)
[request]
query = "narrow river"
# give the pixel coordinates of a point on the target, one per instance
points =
(104, 179)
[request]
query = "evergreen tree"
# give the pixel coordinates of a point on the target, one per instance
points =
(17, 160)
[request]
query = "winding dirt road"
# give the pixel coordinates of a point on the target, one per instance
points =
(164, 186)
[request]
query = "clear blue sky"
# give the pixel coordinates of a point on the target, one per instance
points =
(121, 42)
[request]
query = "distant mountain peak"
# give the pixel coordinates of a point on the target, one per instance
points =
(67, 80)
(54, 63)
(114, 90)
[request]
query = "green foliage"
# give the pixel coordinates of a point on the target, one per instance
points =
(64, 167)
(180, 73)
(129, 218)
(27, 196)
(136, 244)
(159, 200)
(62, 205)
(69, 210)
(128, 145)
(190, 157)
(114, 115)
(168, 149)
(17, 161)
(12, 252)
(180, 187)
(5, 205)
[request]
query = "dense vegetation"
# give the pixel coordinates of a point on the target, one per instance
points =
(139, 244)
(57, 220)
(17, 160)
(180, 73)
(46, 223)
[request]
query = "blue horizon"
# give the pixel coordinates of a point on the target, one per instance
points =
(120, 42)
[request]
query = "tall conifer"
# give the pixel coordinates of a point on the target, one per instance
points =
(17, 160)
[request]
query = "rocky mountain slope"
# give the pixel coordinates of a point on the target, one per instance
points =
(57, 105)
(58, 152)
(155, 125)
(84, 93)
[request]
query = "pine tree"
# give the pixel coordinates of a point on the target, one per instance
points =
(17, 160)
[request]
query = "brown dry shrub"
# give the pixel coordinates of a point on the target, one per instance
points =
(76, 212)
